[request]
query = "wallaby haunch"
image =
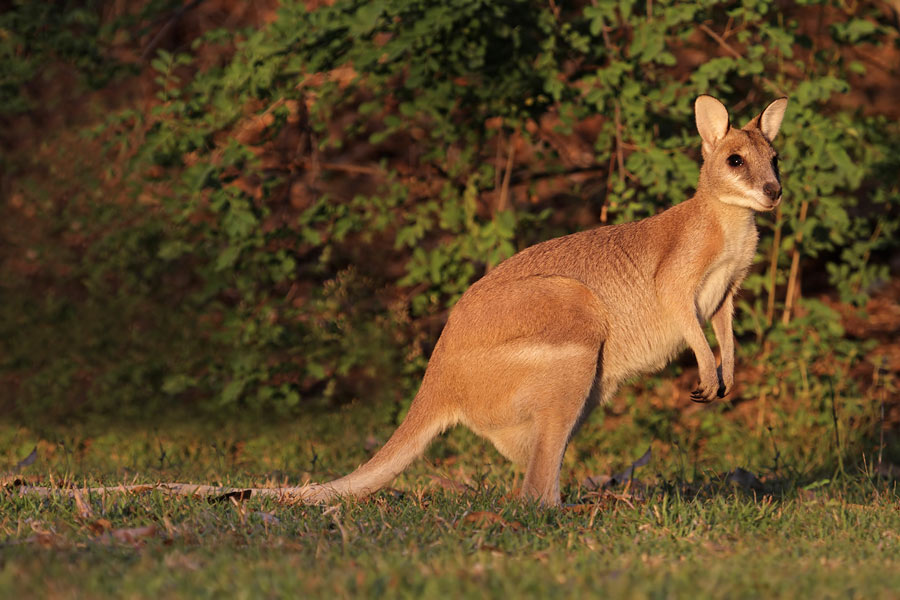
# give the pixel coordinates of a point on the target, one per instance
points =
(534, 345)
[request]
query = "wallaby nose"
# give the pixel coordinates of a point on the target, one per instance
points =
(772, 190)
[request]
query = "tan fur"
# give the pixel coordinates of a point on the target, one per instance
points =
(532, 347)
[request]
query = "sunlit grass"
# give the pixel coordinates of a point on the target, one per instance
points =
(682, 529)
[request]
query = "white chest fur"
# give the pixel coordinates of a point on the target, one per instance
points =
(729, 266)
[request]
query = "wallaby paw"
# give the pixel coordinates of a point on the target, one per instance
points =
(705, 394)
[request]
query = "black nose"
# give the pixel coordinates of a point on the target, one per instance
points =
(772, 190)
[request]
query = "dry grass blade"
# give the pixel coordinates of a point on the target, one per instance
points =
(84, 508)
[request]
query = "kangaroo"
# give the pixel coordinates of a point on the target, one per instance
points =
(531, 348)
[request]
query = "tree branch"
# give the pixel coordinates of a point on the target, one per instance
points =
(734, 53)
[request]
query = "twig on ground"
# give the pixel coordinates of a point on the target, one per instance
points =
(213, 493)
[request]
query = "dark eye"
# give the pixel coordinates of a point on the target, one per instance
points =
(735, 160)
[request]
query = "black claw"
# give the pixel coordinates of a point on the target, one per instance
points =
(700, 397)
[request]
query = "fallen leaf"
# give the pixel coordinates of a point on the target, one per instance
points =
(595, 482)
(133, 534)
(15, 481)
(28, 460)
(9, 477)
(487, 517)
(448, 484)
(45, 540)
(745, 479)
(99, 526)
(626, 475)
(492, 549)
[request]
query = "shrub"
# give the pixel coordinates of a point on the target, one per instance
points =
(306, 208)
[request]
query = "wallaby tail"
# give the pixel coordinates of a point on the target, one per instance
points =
(423, 422)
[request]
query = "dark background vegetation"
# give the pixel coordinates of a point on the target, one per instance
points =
(229, 208)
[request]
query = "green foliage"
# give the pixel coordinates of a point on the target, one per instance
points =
(277, 298)
(38, 39)
(34, 34)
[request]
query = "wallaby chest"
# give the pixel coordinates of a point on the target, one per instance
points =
(729, 265)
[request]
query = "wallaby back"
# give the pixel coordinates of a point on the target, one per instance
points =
(530, 348)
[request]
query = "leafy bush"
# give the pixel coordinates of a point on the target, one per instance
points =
(306, 208)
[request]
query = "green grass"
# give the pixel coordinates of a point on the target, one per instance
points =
(681, 531)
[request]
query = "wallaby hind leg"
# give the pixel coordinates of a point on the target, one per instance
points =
(554, 424)
(542, 476)
(522, 371)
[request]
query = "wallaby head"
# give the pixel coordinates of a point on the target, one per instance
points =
(740, 167)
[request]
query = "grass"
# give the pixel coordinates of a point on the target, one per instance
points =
(681, 530)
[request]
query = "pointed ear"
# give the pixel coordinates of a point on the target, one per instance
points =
(769, 120)
(712, 122)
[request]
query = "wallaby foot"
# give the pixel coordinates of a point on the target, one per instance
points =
(542, 477)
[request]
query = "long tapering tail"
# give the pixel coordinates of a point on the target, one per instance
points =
(423, 423)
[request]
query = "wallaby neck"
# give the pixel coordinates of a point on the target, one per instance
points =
(729, 215)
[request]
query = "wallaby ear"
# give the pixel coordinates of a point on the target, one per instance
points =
(769, 120)
(712, 122)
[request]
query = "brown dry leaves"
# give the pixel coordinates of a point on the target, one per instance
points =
(483, 518)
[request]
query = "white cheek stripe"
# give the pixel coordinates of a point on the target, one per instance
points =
(749, 197)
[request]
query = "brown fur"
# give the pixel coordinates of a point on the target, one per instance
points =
(532, 347)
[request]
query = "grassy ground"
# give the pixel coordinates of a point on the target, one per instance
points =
(683, 529)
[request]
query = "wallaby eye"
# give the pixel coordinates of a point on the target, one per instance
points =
(735, 160)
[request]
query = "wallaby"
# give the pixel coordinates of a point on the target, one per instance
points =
(535, 344)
